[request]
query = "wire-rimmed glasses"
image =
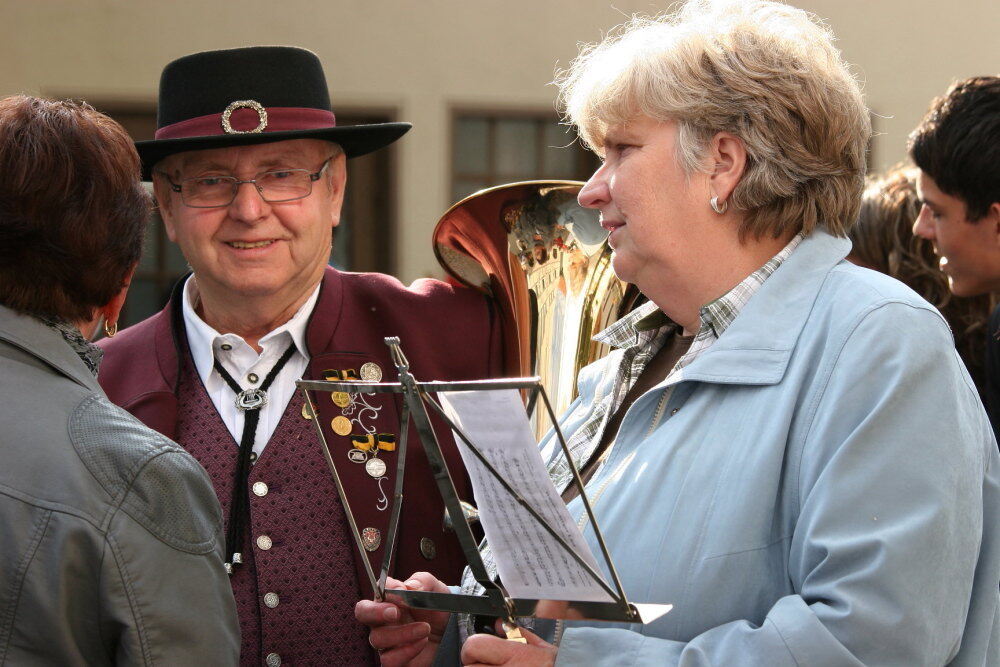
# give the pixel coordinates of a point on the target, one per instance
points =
(276, 186)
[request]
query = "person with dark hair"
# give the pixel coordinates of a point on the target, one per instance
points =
(249, 169)
(111, 548)
(957, 148)
(883, 239)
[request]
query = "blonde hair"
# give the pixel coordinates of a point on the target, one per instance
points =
(763, 71)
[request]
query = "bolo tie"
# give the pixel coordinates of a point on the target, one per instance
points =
(249, 402)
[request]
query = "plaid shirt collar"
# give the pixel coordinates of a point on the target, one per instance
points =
(644, 323)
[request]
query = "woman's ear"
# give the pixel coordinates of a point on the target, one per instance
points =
(112, 309)
(728, 156)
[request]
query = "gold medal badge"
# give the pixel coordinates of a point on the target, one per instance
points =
(341, 425)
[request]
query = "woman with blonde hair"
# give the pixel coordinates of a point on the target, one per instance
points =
(781, 444)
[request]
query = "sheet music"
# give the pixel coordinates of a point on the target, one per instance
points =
(531, 563)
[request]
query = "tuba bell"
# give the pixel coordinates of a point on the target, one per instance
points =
(545, 262)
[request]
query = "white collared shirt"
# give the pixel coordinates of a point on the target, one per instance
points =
(241, 360)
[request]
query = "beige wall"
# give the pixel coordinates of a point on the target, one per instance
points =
(423, 58)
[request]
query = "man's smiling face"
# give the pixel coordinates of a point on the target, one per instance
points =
(252, 248)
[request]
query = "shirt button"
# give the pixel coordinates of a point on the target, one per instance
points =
(252, 378)
(271, 601)
(259, 489)
(226, 347)
(674, 411)
(273, 660)
(264, 542)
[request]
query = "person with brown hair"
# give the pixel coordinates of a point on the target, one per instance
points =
(883, 240)
(111, 549)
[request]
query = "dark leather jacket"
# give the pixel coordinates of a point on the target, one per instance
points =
(110, 538)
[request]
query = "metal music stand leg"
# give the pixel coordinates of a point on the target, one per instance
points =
(446, 486)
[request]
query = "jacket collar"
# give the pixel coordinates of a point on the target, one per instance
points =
(756, 348)
(171, 340)
(325, 317)
(45, 343)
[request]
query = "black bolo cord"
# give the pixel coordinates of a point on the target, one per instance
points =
(238, 504)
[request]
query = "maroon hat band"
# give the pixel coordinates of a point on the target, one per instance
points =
(249, 117)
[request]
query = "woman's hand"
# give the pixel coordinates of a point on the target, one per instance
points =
(480, 650)
(401, 635)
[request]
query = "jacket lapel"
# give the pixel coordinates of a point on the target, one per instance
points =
(325, 317)
(756, 348)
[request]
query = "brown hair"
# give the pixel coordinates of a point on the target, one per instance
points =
(883, 240)
(72, 208)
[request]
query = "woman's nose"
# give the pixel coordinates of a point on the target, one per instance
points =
(595, 192)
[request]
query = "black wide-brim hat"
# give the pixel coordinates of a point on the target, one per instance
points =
(252, 95)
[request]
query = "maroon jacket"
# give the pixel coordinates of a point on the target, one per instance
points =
(447, 333)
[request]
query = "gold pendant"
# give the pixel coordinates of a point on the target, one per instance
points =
(341, 425)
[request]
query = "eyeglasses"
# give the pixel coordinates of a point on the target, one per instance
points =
(274, 186)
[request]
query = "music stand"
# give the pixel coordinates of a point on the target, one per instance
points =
(495, 602)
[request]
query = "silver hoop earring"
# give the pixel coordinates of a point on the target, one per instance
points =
(714, 203)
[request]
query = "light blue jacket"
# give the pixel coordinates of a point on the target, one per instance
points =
(822, 489)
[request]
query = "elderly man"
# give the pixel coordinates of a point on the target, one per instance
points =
(248, 168)
(957, 148)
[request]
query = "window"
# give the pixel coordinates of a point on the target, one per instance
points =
(492, 149)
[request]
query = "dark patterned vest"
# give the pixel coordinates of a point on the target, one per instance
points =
(296, 589)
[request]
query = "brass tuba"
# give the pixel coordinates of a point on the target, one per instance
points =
(545, 261)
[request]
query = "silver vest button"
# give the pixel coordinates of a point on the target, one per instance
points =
(264, 542)
(273, 660)
(259, 489)
(271, 600)
(427, 548)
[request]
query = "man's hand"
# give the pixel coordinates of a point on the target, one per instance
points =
(480, 650)
(401, 635)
